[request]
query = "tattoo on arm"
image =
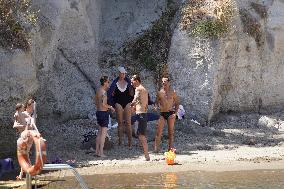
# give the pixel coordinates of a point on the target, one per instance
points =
(103, 98)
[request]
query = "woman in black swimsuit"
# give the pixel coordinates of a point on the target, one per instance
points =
(121, 94)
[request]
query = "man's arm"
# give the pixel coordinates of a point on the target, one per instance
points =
(136, 97)
(104, 102)
(157, 101)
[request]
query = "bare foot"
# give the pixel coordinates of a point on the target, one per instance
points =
(147, 158)
(102, 156)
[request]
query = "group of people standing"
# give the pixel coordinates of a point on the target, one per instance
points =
(127, 96)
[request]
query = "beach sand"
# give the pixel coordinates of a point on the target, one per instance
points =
(233, 142)
(245, 141)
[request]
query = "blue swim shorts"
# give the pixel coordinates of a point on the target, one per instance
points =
(102, 118)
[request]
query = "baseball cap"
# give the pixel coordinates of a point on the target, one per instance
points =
(121, 69)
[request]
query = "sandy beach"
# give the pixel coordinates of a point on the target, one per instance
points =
(236, 142)
(233, 142)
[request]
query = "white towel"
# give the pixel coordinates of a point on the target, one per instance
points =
(181, 112)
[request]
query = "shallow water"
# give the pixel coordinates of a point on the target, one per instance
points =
(195, 179)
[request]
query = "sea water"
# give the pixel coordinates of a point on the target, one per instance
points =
(273, 179)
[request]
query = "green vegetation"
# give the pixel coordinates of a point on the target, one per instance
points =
(203, 22)
(16, 21)
(151, 49)
(209, 28)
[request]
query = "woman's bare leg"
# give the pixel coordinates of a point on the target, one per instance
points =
(127, 116)
(119, 113)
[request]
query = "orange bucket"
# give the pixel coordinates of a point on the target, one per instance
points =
(170, 161)
(170, 156)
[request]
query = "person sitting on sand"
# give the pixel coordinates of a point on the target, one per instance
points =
(140, 104)
(168, 101)
(102, 114)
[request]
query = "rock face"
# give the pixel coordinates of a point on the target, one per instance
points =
(62, 69)
(125, 20)
(66, 53)
(18, 79)
(192, 64)
(236, 73)
(253, 80)
(79, 40)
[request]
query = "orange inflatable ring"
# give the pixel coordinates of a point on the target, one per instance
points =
(23, 144)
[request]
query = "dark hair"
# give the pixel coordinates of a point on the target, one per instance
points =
(103, 80)
(19, 106)
(136, 78)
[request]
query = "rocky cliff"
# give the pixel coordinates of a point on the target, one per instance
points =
(237, 72)
(76, 41)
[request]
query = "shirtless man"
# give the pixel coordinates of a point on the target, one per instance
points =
(140, 104)
(102, 115)
(168, 101)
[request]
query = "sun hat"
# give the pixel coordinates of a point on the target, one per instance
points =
(121, 69)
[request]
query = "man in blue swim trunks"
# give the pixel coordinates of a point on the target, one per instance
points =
(102, 114)
(168, 102)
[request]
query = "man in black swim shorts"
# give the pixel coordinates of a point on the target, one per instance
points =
(168, 102)
(140, 104)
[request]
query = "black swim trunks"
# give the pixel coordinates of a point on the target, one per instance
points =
(166, 115)
(102, 118)
(142, 123)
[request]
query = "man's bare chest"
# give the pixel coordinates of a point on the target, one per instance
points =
(167, 96)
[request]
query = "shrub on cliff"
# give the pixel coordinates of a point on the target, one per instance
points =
(209, 19)
(17, 18)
